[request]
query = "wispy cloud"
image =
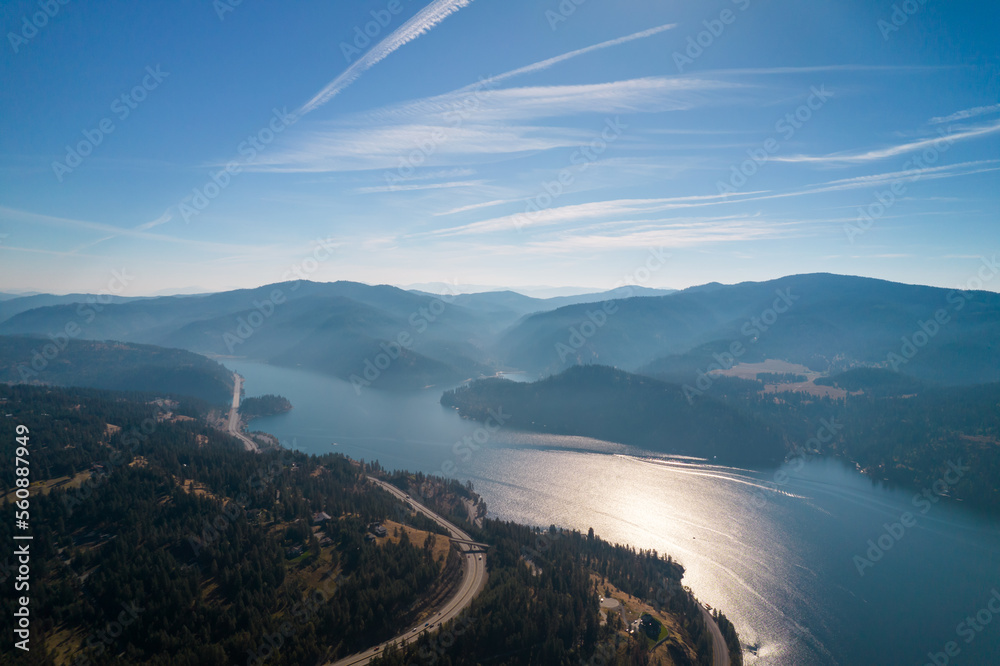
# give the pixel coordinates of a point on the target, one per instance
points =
(890, 255)
(653, 93)
(813, 69)
(576, 212)
(111, 230)
(359, 149)
(965, 114)
(671, 233)
(163, 219)
(890, 151)
(413, 187)
(927, 173)
(477, 206)
(545, 64)
(424, 20)
(442, 173)
(501, 123)
(36, 250)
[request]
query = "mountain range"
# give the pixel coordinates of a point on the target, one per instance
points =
(390, 338)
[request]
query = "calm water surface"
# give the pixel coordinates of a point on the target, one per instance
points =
(774, 550)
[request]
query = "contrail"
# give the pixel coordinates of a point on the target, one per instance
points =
(426, 18)
(545, 64)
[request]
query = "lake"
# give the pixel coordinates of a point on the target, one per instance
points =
(779, 551)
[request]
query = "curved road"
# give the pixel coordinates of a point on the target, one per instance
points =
(720, 651)
(473, 579)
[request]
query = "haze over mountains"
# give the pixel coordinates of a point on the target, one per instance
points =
(115, 366)
(826, 322)
(693, 372)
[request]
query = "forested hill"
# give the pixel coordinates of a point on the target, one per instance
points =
(264, 405)
(122, 366)
(531, 612)
(158, 540)
(892, 427)
(610, 404)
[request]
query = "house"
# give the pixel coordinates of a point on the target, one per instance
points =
(321, 517)
(378, 529)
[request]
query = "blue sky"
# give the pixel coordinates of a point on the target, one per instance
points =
(502, 143)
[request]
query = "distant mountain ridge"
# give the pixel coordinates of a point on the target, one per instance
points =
(385, 337)
(826, 322)
(377, 336)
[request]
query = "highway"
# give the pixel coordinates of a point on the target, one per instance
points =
(720, 651)
(473, 579)
(234, 416)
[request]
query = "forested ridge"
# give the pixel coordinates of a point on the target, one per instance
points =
(213, 545)
(540, 605)
(607, 403)
(158, 540)
(121, 366)
(905, 439)
(893, 427)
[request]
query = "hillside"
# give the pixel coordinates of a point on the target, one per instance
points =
(215, 555)
(892, 427)
(826, 322)
(605, 403)
(113, 365)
